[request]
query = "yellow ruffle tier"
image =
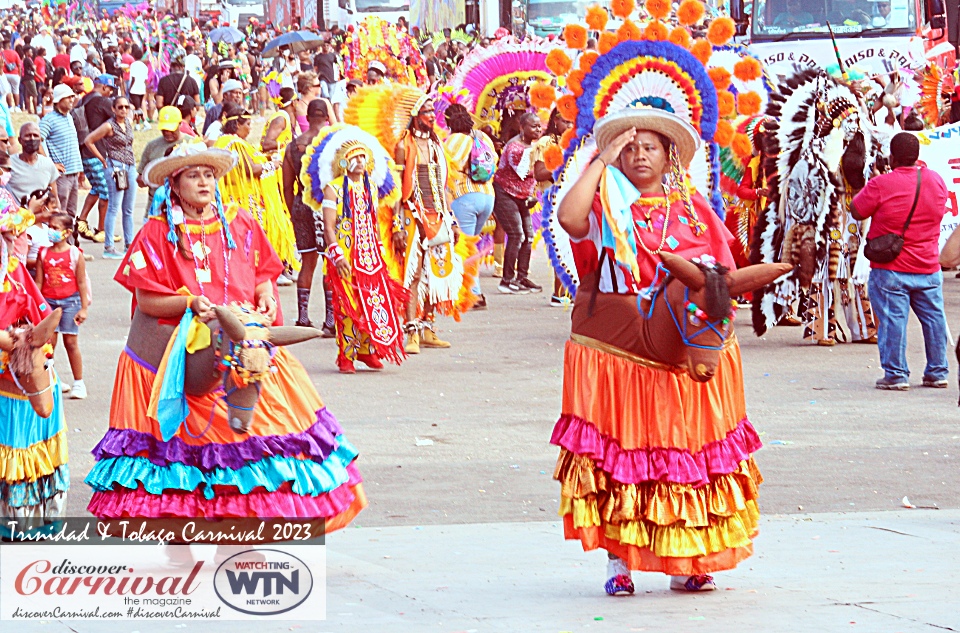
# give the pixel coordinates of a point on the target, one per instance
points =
(655, 526)
(31, 463)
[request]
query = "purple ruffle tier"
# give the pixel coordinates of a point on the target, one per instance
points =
(657, 464)
(317, 442)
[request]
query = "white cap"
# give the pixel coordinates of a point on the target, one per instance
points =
(232, 84)
(84, 40)
(60, 91)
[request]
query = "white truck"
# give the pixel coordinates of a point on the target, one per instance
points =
(237, 13)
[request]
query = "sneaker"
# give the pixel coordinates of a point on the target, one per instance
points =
(328, 331)
(509, 287)
(300, 323)
(283, 280)
(529, 285)
(87, 257)
(933, 383)
(79, 391)
(64, 387)
(619, 584)
(893, 384)
(559, 302)
(481, 304)
(112, 255)
(99, 237)
(618, 578)
(702, 582)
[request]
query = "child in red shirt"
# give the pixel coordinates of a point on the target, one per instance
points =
(61, 274)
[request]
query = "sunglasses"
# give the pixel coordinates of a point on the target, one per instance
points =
(122, 107)
(314, 85)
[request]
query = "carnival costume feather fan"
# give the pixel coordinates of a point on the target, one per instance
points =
(936, 91)
(383, 110)
(820, 140)
(648, 65)
(375, 39)
(499, 76)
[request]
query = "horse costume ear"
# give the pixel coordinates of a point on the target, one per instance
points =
(753, 277)
(44, 330)
(6, 341)
(231, 325)
(289, 335)
(687, 272)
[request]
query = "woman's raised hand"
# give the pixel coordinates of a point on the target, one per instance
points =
(612, 151)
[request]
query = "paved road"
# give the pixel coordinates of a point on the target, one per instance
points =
(834, 444)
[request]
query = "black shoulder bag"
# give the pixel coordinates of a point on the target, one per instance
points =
(886, 248)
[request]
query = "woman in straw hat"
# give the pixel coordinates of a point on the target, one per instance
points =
(655, 458)
(192, 256)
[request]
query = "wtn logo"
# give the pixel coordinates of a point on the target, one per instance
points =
(246, 582)
(263, 582)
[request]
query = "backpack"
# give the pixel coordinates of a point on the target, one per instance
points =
(483, 160)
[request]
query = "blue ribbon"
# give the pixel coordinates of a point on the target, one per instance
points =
(172, 407)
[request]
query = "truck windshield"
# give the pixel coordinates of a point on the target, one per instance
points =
(378, 6)
(779, 19)
(563, 8)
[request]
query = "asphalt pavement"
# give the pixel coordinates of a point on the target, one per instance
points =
(462, 532)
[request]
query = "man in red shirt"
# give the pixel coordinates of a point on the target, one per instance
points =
(913, 279)
(61, 59)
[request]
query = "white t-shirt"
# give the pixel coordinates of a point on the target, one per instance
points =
(138, 78)
(78, 54)
(215, 131)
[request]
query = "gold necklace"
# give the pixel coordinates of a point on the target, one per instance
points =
(666, 223)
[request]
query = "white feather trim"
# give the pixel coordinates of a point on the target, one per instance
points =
(338, 139)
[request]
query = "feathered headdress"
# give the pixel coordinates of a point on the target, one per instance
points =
(644, 65)
(499, 76)
(385, 110)
(819, 139)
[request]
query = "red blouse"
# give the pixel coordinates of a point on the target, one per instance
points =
(680, 240)
(153, 263)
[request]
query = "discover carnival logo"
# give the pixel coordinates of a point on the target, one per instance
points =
(263, 582)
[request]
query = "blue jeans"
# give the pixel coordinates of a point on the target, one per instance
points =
(120, 201)
(472, 211)
(892, 295)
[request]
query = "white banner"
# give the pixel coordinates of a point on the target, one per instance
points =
(940, 150)
(871, 55)
(154, 582)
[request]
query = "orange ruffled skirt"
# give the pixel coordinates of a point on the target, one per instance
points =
(295, 461)
(655, 467)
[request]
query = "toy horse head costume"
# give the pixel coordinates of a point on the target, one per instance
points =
(242, 343)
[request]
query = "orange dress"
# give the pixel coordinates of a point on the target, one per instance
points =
(294, 462)
(654, 467)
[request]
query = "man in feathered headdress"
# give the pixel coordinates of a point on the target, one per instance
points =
(368, 302)
(425, 228)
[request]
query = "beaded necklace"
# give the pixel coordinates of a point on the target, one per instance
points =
(201, 262)
(666, 221)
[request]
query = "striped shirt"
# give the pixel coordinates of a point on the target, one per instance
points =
(457, 147)
(60, 139)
